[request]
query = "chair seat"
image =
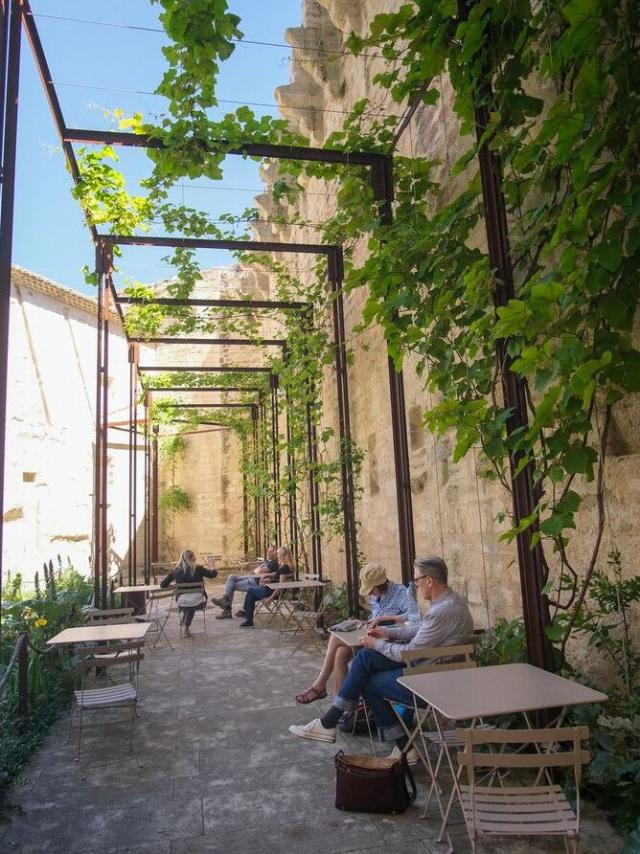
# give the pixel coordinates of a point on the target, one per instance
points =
(123, 656)
(518, 810)
(113, 695)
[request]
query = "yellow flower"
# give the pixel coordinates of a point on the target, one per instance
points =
(41, 623)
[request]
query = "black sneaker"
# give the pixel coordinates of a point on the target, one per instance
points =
(246, 625)
(225, 614)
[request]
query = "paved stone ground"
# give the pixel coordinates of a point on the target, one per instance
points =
(215, 769)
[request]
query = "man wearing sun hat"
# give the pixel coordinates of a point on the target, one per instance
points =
(390, 602)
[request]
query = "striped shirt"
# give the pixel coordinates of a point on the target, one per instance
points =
(395, 600)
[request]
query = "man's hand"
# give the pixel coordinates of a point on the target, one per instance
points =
(383, 634)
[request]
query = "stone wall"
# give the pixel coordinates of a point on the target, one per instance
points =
(210, 470)
(455, 511)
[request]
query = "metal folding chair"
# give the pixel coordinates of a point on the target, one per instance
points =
(527, 809)
(194, 587)
(88, 697)
(431, 660)
(157, 617)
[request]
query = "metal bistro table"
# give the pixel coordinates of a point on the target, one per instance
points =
(96, 633)
(135, 596)
(484, 692)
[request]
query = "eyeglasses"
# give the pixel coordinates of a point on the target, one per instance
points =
(417, 578)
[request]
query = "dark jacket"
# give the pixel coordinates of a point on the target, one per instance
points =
(179, 576)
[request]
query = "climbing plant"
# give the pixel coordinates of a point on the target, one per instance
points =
(559, 81)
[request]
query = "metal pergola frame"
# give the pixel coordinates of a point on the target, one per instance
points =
(335, 268)
(15, 13)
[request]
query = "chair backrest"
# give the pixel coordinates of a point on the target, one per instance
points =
(110, 616)
(88, 658)
(310, 576)
(190, 587)
(576, 756)
(432, 659)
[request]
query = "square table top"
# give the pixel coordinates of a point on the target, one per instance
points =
(294, 585)
(93, 633)
(353, 639)
(498, 690)
(139, 588)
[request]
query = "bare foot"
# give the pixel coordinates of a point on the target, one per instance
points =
(186, 632)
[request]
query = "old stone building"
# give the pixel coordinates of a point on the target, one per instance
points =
(455, 511)
(51, 429)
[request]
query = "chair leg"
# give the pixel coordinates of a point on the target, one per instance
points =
(79, 735)
(71, 711)
(134, 713)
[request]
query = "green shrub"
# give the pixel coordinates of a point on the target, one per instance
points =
(40, 615)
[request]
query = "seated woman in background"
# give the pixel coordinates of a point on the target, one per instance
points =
(263, 591)
(390, 602)
(188, 572)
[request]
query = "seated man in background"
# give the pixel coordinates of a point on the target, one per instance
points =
(376, 668)
(245, 582)
(258, 592)
(389, 600)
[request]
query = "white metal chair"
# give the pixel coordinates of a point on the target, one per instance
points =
(156, 616)
(432, 660)
(305, 618)
(522, 810)
(88, 697)
(189, 590)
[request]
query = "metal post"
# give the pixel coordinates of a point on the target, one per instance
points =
(382, 183)
(256, 499)
(277, 510)
(265, 492)
(312, 457)
(530, 559)
(245, 499)
(104, 532)
(155, 517)
(535, 608)
(335, 275)
(11, 30)
(147, 494)
(97, 475)
(292, 486)
(134, 541)
(132, 442)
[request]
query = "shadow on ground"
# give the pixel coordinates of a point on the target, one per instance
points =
(215, 769)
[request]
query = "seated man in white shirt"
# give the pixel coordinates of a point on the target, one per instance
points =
(376, 667)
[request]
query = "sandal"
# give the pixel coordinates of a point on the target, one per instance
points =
(310, 696)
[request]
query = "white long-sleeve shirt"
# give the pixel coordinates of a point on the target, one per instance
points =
(447, 623)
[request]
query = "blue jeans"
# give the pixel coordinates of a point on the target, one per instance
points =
(254, 594)
(373, 676)
(239, 582)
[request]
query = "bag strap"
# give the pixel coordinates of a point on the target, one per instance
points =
(410, 796)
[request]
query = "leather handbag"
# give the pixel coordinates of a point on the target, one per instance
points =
(373, 784)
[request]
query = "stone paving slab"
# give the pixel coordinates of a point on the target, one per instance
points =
(216, 770)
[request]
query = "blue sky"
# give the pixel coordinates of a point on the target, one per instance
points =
(50, 237)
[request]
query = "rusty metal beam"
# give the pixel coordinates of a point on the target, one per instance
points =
(11, 32)
(253, 149)
(228, 369)
(210, 243)
(382, 183)
(225, 342)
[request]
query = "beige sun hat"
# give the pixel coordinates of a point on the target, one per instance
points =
(372, 575)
